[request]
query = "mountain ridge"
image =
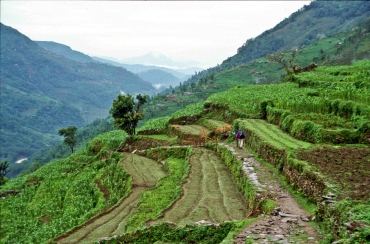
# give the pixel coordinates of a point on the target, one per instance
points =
(43, 91)
(65, 51)
(158, 60)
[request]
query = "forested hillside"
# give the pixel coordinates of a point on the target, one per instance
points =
(308, 25)
(65, 51)
(42, 92)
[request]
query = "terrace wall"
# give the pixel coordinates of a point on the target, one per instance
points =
(298, 173)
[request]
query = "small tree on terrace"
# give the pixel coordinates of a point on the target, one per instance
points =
(126, 113)
(69, 134)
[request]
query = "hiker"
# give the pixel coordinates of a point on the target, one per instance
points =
(239, 136)
(236, 137)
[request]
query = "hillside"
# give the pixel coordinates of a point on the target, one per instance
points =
(301, 177)
(309, 134)
(42, 92)
(354, 45)
(319, 19)
(65, 51)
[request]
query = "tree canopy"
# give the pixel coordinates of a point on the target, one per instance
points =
(69, 134)
(127, 113)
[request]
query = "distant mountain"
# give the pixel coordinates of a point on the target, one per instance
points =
(158, 60)
(65, 51)
(182, 74)
(42, 91)
(160, 79)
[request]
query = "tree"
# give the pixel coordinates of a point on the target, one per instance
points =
(126, 113)
(286, 62)
(290, 66)
(69, 134)
(3, 171)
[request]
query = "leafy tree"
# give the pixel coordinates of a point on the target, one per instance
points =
(126, 113)
(69, 134)
(3, 171)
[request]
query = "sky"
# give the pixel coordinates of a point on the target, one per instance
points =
(207, 32)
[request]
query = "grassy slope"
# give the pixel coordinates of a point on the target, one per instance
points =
(274, 135)
(65, 193)
(323, 52)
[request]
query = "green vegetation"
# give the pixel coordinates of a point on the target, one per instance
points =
(69, 136)
(126, 113)
(312, 130)
(4, 169)
(155, 200)
(65, 193)
(192, 109)
(166, 233)
(155, 126)
(208, 192)
(192, 129)
(272, 134)
(347, 212)
(42, 92)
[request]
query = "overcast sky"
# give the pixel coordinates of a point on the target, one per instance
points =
(207, 32)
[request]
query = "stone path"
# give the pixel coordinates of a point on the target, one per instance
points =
(288, 223)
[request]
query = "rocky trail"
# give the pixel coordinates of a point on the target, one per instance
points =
(289, 223)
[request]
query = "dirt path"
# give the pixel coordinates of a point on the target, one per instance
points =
(145, 174)
(289, 223)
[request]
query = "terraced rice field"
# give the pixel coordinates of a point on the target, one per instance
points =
(209, 193)
(192, 129)
(273, 134)
(145, 174)
(215, 123)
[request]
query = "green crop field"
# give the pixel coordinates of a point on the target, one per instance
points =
(157, 123)
(65, 193)
(211, 124)
(209, 193)
(192, 129)
(273, 134)
(145, 174)
(144, 171)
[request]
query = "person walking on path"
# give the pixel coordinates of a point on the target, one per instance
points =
(239, 136)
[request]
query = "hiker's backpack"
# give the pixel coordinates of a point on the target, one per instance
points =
(241, 134)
